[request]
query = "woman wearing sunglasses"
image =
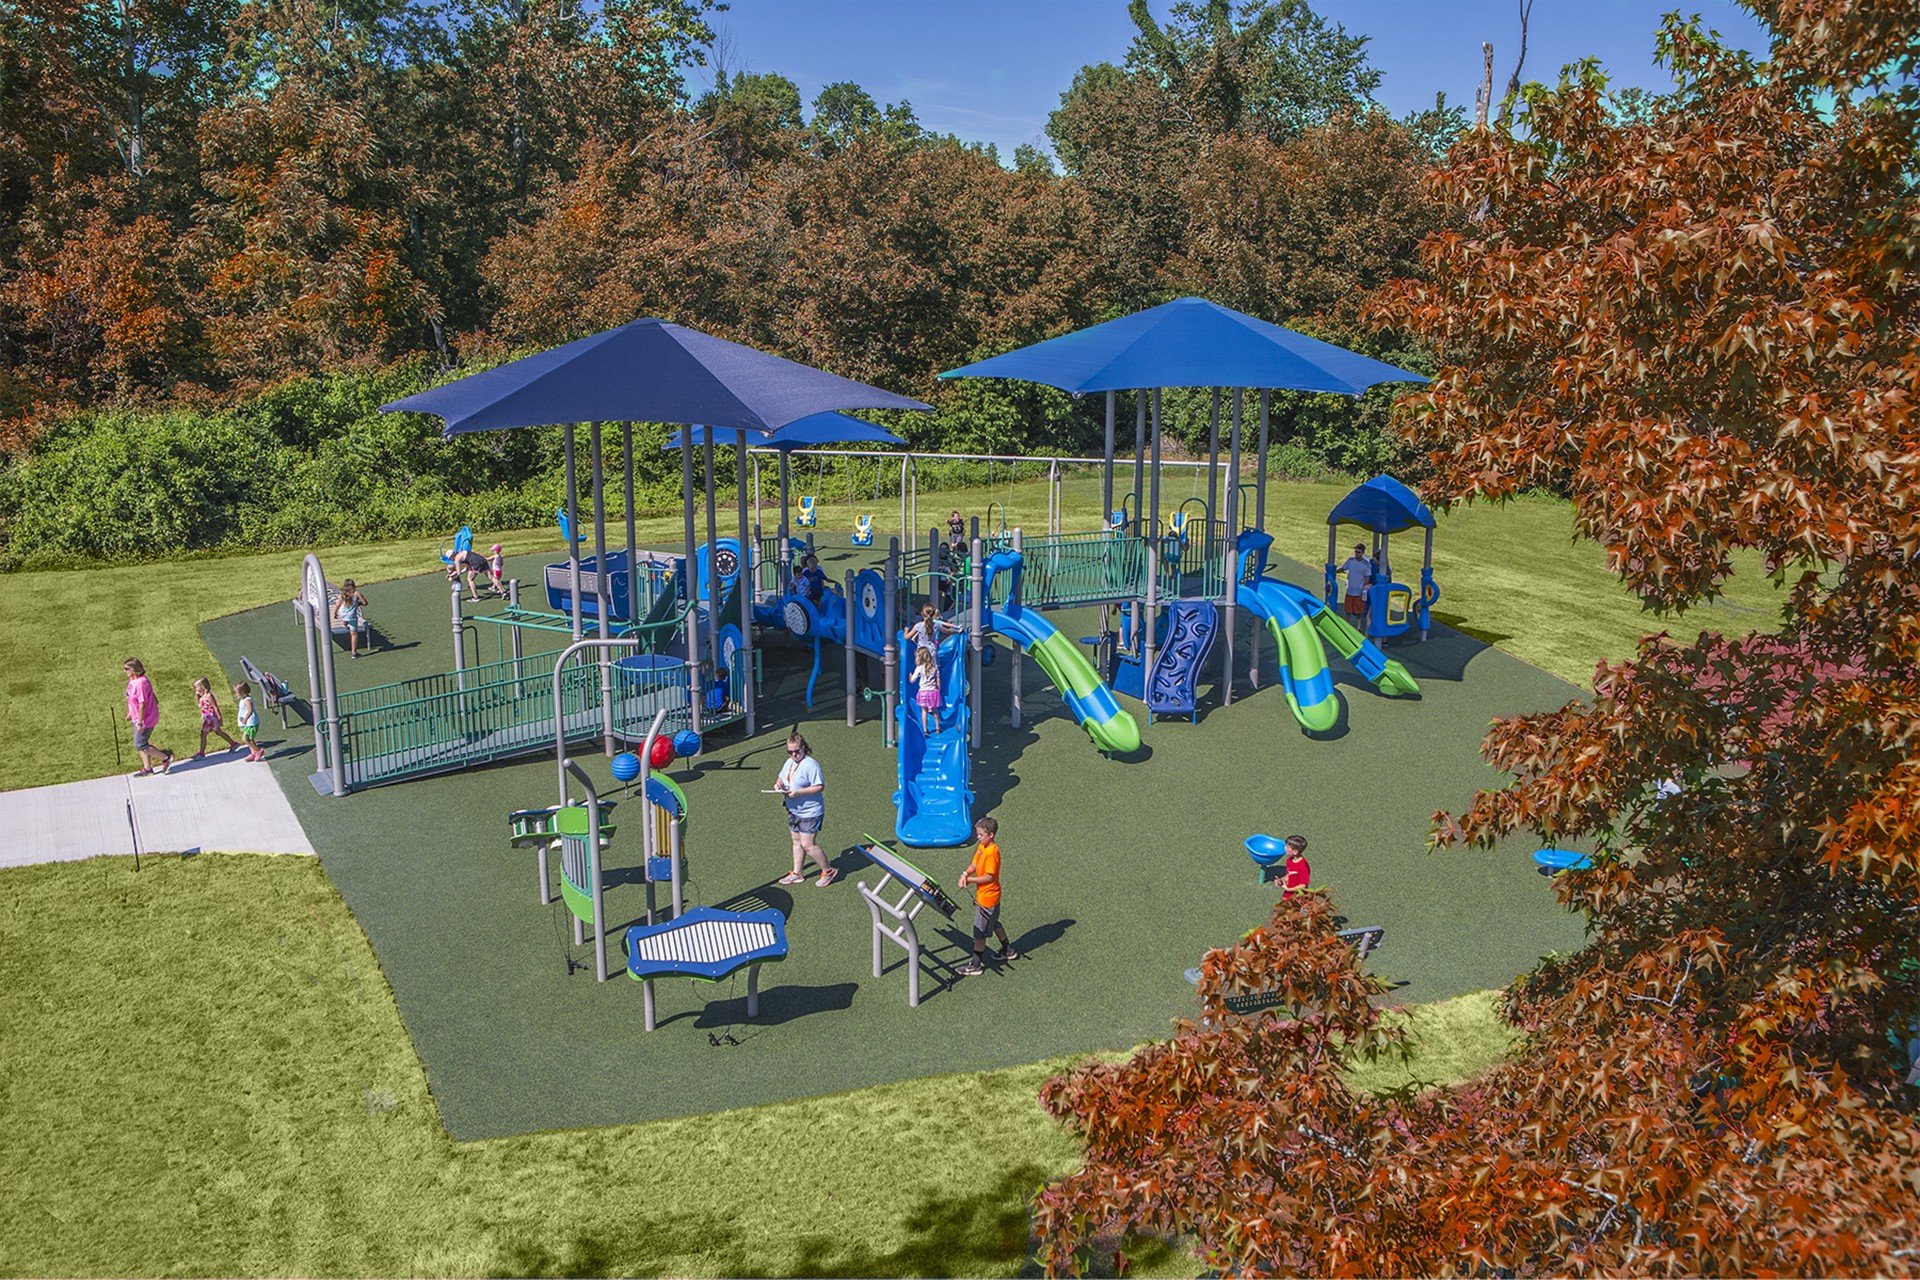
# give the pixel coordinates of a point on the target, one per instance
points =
(803, 787)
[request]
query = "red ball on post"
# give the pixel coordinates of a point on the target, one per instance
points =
(662, 754)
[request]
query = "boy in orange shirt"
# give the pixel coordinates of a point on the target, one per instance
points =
(983, 874)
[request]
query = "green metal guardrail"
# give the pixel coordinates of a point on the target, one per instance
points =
(437, 723)
(1082, 568)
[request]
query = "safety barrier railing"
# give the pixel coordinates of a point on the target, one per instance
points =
(1082, 568)
(436, 723)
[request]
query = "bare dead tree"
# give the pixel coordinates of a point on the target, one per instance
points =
(1513, 81)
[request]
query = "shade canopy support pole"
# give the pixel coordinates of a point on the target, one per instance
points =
(1230, 581)
(713, 575)
(626, 496)
(1149, 624)
(695, 694)
(573, 528)
(1106, 471)
(749, 548)
(602, 592)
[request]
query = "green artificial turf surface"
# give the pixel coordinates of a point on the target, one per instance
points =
(1119, 876)
(205, 1074)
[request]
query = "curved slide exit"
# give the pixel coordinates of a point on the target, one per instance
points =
(1299, 621)
(1088, 699)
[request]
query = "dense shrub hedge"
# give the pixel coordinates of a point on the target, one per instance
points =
(314, 462)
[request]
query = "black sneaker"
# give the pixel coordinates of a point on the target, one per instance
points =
(971, 969)
(1005, 954)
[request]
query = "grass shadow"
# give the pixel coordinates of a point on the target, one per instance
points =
(978, 1232)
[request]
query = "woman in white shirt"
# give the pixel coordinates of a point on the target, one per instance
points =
(803, 786)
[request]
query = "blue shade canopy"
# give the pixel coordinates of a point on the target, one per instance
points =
(815, 429)
(645, 371)
(1189, 342)
(1383, 505)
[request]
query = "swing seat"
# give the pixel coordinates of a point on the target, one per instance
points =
(863, 531)
(808, 515)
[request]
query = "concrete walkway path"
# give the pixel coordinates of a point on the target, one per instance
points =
(222, 804)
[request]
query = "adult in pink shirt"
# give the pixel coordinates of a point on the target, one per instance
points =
(143, 713)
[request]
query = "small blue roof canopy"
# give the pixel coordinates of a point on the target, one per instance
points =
(815, 429)
(1383, 505)
(645, 371)
(1189, 342)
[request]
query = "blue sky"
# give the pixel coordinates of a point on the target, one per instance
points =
(992, 70)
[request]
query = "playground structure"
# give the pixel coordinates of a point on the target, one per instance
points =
(1383, 506)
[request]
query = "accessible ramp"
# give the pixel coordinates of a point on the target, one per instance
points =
(933, 801)
(1087, 698)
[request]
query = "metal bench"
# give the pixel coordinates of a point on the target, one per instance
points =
(1365, 942)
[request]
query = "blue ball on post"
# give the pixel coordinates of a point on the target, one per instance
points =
(686, 743)
(625, 767)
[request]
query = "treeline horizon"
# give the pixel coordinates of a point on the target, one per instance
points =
(234, 227)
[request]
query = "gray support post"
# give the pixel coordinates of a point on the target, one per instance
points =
(1230, 581)
(1106, 469)
(695, 693)
(1139, 494)
(602, 591)
(1014, 671)
(713, 576)
(573, 528)
(890, 615)
(307, 630)
(513, 602)
(1426, 571)
(1139, 452)
(853, 693)
(626, 494)
(1259, 521)
(326, 716)
(1213, 468)
(749, 549)
(1260, 467)
(1150, 624)
(786, 527)
(459, 639)
(978, 629)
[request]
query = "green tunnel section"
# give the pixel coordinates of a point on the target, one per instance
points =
(1070, 671)
(1303, 660)
(1344, 637)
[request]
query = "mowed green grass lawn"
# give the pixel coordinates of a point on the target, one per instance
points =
(205, 1074)
(1510, 574)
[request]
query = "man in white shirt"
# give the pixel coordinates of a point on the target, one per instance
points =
(1359, 571)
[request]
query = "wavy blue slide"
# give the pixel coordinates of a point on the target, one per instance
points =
(933, 802)
(1174, 688)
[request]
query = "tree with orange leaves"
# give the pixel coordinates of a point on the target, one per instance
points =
(1701, 321)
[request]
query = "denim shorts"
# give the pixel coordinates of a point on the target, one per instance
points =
(141, 738)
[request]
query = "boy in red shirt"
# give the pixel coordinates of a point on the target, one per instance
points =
(983, 875)
(1299, 874)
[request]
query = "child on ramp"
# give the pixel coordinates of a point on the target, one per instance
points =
(210, 721)
(926, 678)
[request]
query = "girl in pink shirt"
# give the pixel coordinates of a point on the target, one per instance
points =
(210, 721)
